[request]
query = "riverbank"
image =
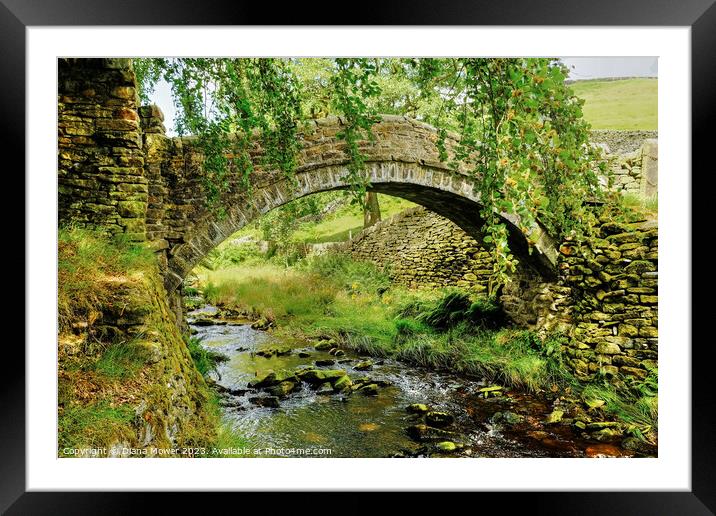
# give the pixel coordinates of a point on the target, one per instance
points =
(303, 398)
(331, 297)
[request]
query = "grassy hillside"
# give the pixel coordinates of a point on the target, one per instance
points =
(334, 227)
(621, 104)
(347, 220)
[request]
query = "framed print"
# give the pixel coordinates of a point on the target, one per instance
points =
(426, 256)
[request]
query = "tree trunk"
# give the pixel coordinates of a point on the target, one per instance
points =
(371, 213)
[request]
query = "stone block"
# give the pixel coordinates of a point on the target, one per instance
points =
(633, 371)
(132, 209)
(117, 124)
(627, 330)
(607, 348)
(648, 331)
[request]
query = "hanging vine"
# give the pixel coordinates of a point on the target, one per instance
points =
(353, 85)
(222, 102)
(523, 137)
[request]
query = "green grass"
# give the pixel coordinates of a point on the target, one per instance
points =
(204, 359)
(93, 425)
(348, 220)
(271, 292)
(121, 360)
(648, 206)
(628, 104)
(97, 392)
(637, 406)
(453, 308)
(334, 227)
(88, 264)
(229, 255)
(350, 275)
(315, 237)
(508, 356)
(299, 295)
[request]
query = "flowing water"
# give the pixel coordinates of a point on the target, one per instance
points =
(356, 425)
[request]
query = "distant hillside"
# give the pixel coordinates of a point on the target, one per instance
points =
(619, 104)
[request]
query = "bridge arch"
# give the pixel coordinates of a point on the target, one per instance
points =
(401, 160)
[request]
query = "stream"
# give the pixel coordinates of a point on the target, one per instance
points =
(315, 421)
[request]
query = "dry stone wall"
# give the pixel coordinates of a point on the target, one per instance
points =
(637, 171)
(605, 298)
(614, 282)
(633, 158)
(421, 249)
(621, 142)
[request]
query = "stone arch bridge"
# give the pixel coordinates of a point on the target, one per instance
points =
(119, 171)
(402, 160)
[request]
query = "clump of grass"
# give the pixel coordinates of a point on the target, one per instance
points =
(95, 425)
(636, 406)
(447, 312)
(325, 292)
(365, 344)
(361, 318)
(88, 264)
(430, 351)
(408, 328)
(204, 359)
(121, 360)
(486, 313)
(511, 357)
(190, 291)
(452, 308)
(645, 205)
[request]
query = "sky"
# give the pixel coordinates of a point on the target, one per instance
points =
(580, 68)
(599, 67)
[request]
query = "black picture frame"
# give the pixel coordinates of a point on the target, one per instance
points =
(700, 15)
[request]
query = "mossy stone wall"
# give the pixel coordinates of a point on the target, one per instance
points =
(100, 173)
(605, 296)
(421, 249)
